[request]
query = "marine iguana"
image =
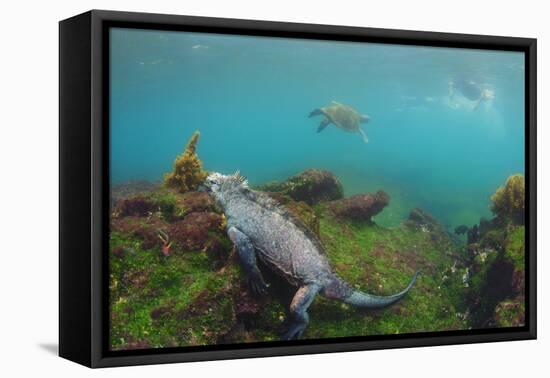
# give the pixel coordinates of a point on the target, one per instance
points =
(260, 228)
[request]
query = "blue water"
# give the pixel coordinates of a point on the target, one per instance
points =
(250, 98)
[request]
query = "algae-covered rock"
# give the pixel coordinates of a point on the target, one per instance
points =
(301, 210)
(423, 221)
(185, 299)
(131, 188)
(473, 234)
(311, 186)
(174, 205)
(461, 230)
(508, 202)
(422, 218)
(360, 207)
(197, 295)
(493, 239)
(172, 279)
(496, 296)
(166, 218)
(187, 174)
(159, 302)
(510, 313)
(194, 230)
(514, 249)
(139, 206)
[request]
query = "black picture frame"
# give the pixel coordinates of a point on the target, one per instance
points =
(84, 186)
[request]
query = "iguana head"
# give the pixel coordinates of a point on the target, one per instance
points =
(220, 186)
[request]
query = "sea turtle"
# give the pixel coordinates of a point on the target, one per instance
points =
(471, 90)
(342, 116)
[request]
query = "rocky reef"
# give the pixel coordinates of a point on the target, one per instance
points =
(196, 295)
(495, 258)
(310, 186)
(175, 280)
(360, 207)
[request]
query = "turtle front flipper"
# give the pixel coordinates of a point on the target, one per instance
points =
(365, 139)
(324, 123)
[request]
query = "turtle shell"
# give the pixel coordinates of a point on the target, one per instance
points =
(343, 116)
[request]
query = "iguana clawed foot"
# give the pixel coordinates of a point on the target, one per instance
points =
(294, 331)
(257, 285)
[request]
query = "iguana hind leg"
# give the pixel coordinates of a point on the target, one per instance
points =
(247, 256)
(298, 311)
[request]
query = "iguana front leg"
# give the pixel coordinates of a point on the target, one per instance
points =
(247, 256)
(298, 311)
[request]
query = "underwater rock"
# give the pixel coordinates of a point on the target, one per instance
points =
(146, 230)
(311, 186)
(509, 201)
(360, 207)
(496, 295)
(461, 230)
(490, 283)
(421, 220)
(514, 253)
(132, 189)
(193, 232)
(138, 206)
(510, 313)
(487, 225)
(191, 202)
(173, 205)
(493, 239)
(174, 221)
(498, 281)
(473, 234)
(188, 173)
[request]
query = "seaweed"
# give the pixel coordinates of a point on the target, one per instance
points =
(187, 174)
(508, 202)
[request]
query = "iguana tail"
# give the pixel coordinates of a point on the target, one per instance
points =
(362, 299)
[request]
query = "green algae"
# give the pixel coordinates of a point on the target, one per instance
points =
(160, 301)
(382, 261)
(510, 313)
(515, 248)
(180, 300)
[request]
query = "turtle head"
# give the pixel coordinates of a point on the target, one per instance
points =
(365, 118)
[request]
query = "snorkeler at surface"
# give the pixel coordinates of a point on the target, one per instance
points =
(470, 90)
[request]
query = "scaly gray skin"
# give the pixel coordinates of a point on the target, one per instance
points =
(260, 228)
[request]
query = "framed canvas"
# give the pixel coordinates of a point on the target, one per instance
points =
(234, 188)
